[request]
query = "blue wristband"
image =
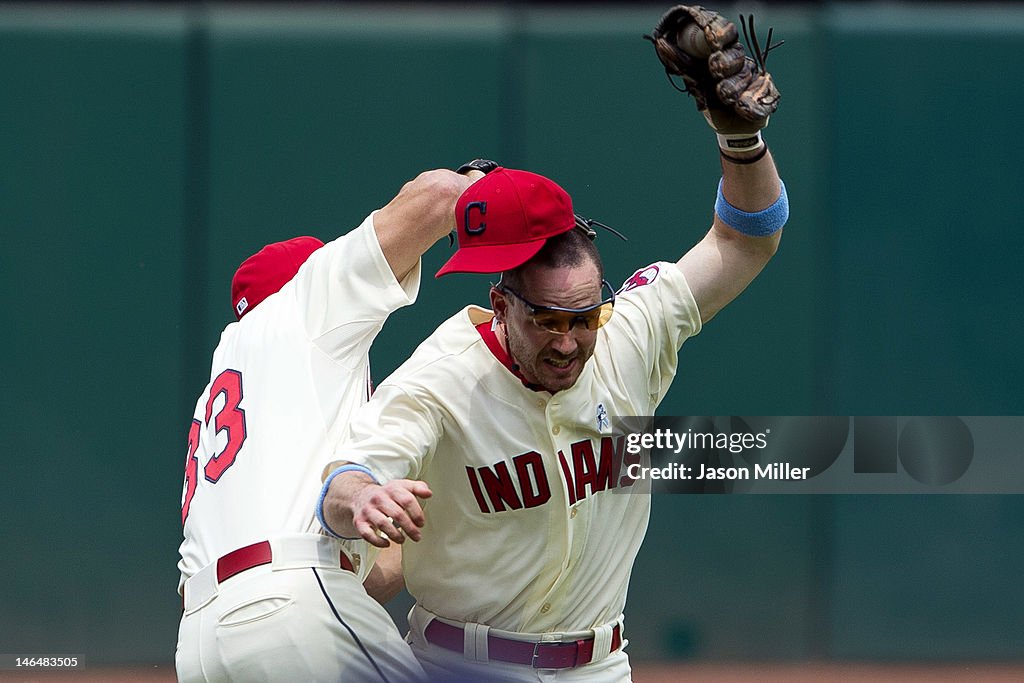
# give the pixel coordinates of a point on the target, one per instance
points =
(323, 494)
(758, 224)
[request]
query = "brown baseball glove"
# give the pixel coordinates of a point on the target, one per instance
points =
(735, 92)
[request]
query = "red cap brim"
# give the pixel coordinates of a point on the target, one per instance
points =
(491, 258)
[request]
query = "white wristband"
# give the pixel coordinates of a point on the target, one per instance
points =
(739, 143)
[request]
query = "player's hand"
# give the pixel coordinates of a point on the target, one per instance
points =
(390, 511)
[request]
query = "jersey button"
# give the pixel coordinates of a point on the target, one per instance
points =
(573, 513)
(555, 430)
(546, 608)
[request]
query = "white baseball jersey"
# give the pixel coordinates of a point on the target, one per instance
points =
(285, 380)
(525, 531)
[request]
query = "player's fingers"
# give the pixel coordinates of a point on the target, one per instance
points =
(382, 507)
(419, 489)
(370, 534)
(411, 529)
(404, 522)
(390, 528)
(414, 515)
(414, 486)
(394, 506)
(411, 486)
(410, 510)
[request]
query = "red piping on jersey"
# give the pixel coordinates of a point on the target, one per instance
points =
(491, 340)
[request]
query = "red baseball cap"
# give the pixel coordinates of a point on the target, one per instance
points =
(504, 218)
(268, 270)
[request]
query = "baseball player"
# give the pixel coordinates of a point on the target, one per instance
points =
(266, 595)
(492, 446)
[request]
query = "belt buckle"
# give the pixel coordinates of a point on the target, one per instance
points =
(556, 648)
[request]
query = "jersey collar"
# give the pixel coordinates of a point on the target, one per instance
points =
(487, 333)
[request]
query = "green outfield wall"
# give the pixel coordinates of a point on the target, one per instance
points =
(146, 151)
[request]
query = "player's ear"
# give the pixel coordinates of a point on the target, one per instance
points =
(499, 304)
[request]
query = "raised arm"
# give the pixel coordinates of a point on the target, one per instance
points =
(722, 264)
(736, 95)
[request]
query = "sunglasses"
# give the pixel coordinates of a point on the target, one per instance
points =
(558, 320)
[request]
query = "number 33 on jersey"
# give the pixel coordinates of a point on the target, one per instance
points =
(222, 407)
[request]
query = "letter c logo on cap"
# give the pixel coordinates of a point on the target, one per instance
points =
(482, 208)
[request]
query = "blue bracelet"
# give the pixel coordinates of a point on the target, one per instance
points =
(757, 224)
(323, 494)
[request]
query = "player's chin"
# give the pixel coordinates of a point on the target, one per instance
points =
(559, 375)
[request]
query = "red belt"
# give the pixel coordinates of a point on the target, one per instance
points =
(237, 561)
(538, 655)
(255, 555)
